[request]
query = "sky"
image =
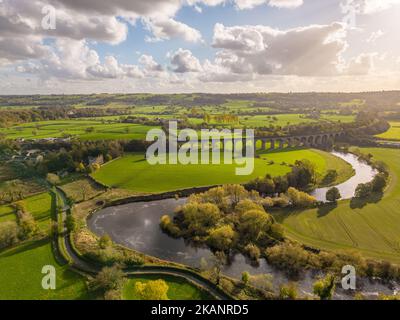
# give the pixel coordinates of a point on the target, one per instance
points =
(215, 46)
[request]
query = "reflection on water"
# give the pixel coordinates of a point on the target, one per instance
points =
(136, 226)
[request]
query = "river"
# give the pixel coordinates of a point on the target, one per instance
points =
(136, 226)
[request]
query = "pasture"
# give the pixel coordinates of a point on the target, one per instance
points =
(371, 227)
(21, 274)
(97, 129)
(134, 173)
(393, 133)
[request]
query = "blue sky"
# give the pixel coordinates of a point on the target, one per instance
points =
(198, 45)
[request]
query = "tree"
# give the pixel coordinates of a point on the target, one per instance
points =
(199, 218)
(253, 224)
(325, 288)
(219, 261)
(379, 182)
(333, 194)
(222, 238)
(330, 176)
(363, 190)
(300, 199)
(27, 225)
(152, 290)
(245, 277)
(303, 174)
(105, 241)
(109, 278)
(8, 234)
(288, 292)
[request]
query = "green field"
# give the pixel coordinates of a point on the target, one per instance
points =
(40, 206)
(77, 128)
(372, 228)
(7, 213)
(179, 288)
(134, 173)
(21, 276)
(393, 133)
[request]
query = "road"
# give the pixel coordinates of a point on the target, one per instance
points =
(90, 268)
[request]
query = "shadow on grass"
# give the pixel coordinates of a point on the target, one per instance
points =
(325, 209)
(359, 203)
(24, 247)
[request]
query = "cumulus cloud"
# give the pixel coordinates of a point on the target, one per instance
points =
(361, 65)
(149, 64)
(167, 28)
(307, 51)
(183, 61)
(367, 6)
(249, 4)
(73, 59)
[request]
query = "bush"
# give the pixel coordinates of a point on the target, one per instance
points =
(8, 234)
(325, 288)
(27, 226)
(109, 278)
(152, 290)
(252, 251)
(288, 292)
(300, 199)
(105, 241)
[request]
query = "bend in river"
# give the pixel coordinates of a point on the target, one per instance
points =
(363, 173)
(136, 226)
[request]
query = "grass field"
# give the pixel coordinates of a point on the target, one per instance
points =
(21, 276)
(179, 289)
(40, 206)
(81, 189)
(7, 213)
(371, 227)
(134, 173)
(77, 128)
(393, 133)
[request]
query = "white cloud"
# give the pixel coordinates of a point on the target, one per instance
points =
(305, 51)
(167, 28)
(183, 61)
(361, 65)
(250, 4)
(375, 36)
(149, 64)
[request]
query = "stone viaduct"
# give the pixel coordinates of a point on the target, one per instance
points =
(271, 143)
(313, 140)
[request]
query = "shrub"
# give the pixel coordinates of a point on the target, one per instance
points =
(288, 292)
(252, 251)
(300, 199)
(105, 241)
(325, 288)
(8, 234)
(152, 290)
(109, 278)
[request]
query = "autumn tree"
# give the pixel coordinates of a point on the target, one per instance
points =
(152, 290)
